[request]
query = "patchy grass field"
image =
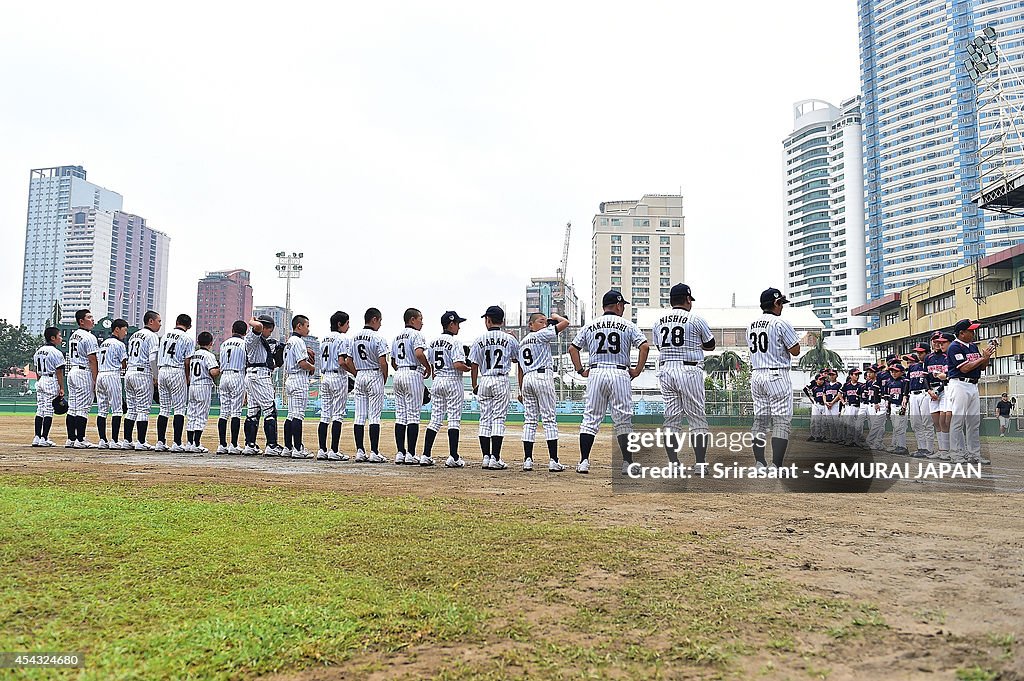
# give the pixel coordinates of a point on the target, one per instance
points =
(160, 567)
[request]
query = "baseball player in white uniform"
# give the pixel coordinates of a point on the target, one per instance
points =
(335, 368)
(84, 369)
(204, 366)
(448, 360)
(370, 357)
(49, 366)
(113, 360)
(608, 340)
(409, 360)
(140, 381)
(176, 349)
(298, 367)
(681, 338)
(537, 386)
(259, 387)
(490, 358)
(231, 389)
(772, 342)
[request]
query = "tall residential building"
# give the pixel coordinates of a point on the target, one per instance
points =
(921, 136)
(138, 269)
(223, 298)
(824, 258)
(113, 265)
(280, 316)
(52, 193)
(544, 294)
(637, 248)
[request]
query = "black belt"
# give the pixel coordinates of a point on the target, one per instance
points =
(332, 371)
(224, 371)
(684, 361)
(965, 379)
(373, 369)
(542, 370)
(138, 369)
(608, 366)
(917, 392)
(47, 375)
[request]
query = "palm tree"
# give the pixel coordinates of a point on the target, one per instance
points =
(727, 364)
(819, 357)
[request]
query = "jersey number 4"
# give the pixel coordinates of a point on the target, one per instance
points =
(759, 341)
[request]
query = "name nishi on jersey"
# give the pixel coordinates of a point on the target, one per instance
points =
(760, 324)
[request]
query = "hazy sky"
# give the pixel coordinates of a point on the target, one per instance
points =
(419, 154)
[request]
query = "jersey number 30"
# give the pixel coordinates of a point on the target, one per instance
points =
(759, 342)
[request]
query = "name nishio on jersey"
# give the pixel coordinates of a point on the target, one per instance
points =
(608, 340)
(769, 340)
(494, 353)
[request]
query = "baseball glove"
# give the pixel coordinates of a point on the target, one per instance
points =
(60, 405)
(351, 383)
(426, 396)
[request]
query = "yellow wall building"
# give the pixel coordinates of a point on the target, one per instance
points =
(992, 292)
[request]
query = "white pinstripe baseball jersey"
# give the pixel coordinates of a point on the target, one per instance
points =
(403, 348)
(81, 344)
(535, 349)
(333, 348)
(202, 361)
(769, 339)
(494, 352)
(294, 352)
(142, 349)
(232, 354)
(368, 347)
(47, 360)
(112, 351)
(443, 352)
(608, 339)
(680, 335)
(176, 346)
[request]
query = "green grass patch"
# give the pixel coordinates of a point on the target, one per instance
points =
(225, 582)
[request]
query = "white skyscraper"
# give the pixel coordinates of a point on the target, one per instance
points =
(87, 258)
(51, 195)
(823, 208)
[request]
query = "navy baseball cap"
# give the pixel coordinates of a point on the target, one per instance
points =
(451, 316)
(920, 348)
(896, 367)
(681, 291)
(494, 313)
(890, 358)
(771, 295)
(854, 370)
(613, 297)
(966, 325)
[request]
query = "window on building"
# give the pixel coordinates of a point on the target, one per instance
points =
(603, 222)
(641, 222)
(664, 239)
(616, 249)
(616, 222)
(662, 223)
(616, 269)
(616, 259)
(664, 250)
(666, 261)
(616, 238)
(641, 239)
(616, 281)
(676, 223)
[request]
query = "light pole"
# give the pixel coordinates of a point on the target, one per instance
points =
(288, 267)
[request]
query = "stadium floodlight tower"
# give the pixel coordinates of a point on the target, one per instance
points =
(288, 267)
(1001, 184)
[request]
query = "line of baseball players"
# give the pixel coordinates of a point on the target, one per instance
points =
(934, 390)
(183, 376)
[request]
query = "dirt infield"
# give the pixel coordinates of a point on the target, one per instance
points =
(944, 570)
